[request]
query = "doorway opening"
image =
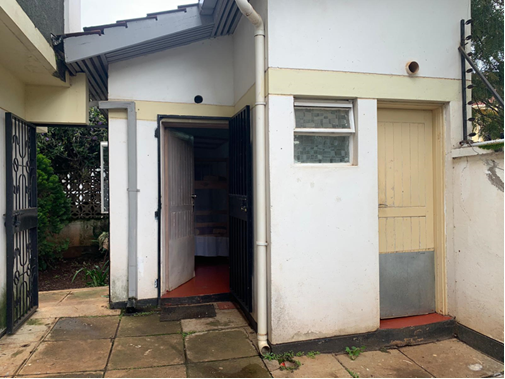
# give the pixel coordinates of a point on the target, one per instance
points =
(196, 210)
(411, 222)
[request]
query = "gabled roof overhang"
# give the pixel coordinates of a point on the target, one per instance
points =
(92, 50)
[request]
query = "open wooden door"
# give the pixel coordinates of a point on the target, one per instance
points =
(179, 192)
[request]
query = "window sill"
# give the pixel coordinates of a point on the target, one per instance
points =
(324, 165)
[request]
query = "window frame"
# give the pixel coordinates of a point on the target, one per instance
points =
(334, 132)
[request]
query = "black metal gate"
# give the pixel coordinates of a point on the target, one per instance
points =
(21, 220)
(241, 211)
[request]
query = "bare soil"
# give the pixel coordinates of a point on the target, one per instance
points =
(60, 277)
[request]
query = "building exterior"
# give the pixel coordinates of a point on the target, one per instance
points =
(373, 208)
(34, 87)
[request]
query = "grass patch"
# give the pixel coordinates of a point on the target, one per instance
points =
(354, 351)
(287, 360)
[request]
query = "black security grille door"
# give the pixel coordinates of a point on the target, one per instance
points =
(241, 211)
(21, 220)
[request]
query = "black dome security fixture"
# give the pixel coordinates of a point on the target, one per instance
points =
(198, 99)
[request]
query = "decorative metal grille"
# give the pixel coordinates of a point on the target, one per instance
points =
(83, 188)
(241, 212)
(21, 220)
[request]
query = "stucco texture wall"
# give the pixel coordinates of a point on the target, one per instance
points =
(178, 75)
(323, 240)
(47, 15)
(366, 36)
(475, 266)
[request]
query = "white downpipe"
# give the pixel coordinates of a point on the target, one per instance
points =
(260, 208)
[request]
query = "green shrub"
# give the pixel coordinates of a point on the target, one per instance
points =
(97, 275)
(53, 213)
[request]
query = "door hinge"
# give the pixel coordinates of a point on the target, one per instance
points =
(157, 133)
(156, 283)
(157, 214)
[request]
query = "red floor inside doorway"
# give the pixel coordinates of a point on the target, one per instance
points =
(212, 276)
(403, 322)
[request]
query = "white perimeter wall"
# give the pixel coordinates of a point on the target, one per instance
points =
(3, 247)
(366, 36)
(475, 266)
(323, 234)
(178, 75)
(147, 232)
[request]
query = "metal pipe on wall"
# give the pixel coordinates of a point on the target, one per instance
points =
(260, 208)
(132, 193)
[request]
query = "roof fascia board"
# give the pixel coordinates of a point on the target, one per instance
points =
(13, 16)
(136, 32)
(207, 7)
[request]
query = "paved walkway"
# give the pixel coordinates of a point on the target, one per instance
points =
(74, 334)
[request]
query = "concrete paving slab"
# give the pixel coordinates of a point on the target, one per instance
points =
(378, 364)
(321, 366)
(219, 345)
(52, 296)
(140, 352)
(83, 294)
(84, 328)
(452, 358)
(178, 371)
(137, 326)
(64, 357)
(76, 309)
(92, 374)
(234, 368)
(13, 356)
(32, 331)
(225, 319)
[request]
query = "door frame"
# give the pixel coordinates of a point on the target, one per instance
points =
(438, 121)
(172, 121)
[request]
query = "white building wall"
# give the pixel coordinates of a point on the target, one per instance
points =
(3, 247)
(118, 210)
(147, 230)
(178, 75)
(475, 266)
(366, 36)
(72, 16)
(243, 51)
(324, 258)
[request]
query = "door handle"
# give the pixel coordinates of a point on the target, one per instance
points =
(15, 221)
(244, 205)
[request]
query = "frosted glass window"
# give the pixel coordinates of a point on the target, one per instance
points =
(322, 118)
(321, 149)
(323, 132)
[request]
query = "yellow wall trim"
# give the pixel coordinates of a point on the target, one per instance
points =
(334, 84)
(59, 105)
(149, 110)
(12, 94)
(13, 16)
(249, 98)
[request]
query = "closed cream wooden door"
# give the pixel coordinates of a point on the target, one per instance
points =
(406, 229)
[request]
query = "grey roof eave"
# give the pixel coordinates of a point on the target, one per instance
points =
(132, 33)
(92, 50)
